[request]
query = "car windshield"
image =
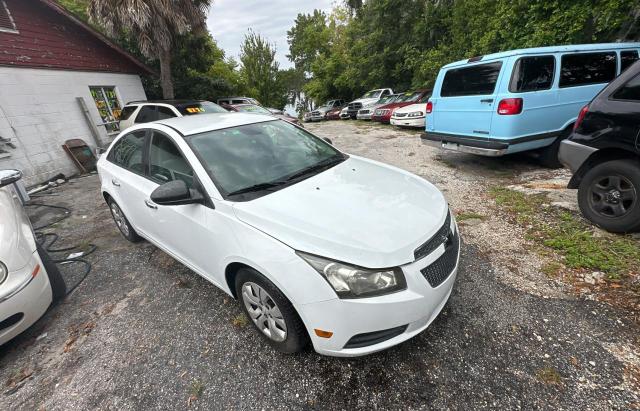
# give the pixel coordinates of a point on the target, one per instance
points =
(199, 107)
(254, 159)
(387, 99)
(372, 94)
(409, 97)
(252, 108)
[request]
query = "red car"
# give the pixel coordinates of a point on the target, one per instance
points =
(256, 109)
(383, 114)
(333, 114)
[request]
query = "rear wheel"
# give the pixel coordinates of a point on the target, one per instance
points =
(549, 155)
(58, 286)
(123, 224)
(270, 312)
(609, 195)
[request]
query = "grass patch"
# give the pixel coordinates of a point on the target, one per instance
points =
(569, 235)
(552, 269)
(197, 387)
(464, 216)
(240, 320)
(549, 376)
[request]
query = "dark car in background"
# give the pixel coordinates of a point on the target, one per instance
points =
(603, 152)
(383, 114)
(256, 109)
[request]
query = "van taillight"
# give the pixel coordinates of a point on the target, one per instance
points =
(510, 106)
(583, 112)
(429, 108)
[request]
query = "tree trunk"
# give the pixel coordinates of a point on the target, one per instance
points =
(165, 74)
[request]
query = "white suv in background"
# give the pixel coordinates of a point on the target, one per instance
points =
(136, 112)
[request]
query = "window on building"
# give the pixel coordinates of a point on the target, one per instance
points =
(108, 106)
(532, 74)
(476, 80)
(6, 21)
(627, 58)
(587, 68)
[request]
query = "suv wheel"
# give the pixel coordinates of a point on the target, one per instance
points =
(123, 224)
(270, 312)
(609, 195)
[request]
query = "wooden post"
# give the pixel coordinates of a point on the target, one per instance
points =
(87, 116)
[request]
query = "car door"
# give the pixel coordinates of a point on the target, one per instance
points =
(125, 171)
(182, 230)
(466, 101)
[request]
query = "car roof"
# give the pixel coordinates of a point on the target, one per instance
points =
(174, 102)
(549, 49)
(209, 122)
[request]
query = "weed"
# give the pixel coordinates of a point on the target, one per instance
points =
(240, 320)
(549, 376)
(464, 216)
(197, 387)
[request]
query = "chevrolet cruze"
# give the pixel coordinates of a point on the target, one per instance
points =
(318, 246)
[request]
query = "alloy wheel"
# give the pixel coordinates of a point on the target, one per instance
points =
(612, 196)
(264, 312)
(118, 217)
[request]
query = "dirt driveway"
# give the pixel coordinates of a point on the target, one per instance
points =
(144, 332)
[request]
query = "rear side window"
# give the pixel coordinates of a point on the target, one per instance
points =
(630, 91)
(127, 153)
(471, 81)
(165, 112)
(627, 58)
(146, 114)
(127, 112)
(532, 74)
(587, 68)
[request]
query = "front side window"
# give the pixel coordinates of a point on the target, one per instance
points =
(147, 114)
(257, 157)
(127, 152)
(587, 68)
(532, 74)
(108, 106)
(627, 58)
(629, 91)
(372, 94)
(166, 163)
(476, 80)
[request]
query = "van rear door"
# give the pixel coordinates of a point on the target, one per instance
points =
(466, 100)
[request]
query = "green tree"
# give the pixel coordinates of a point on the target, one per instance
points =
(260, 70)
(154, 24)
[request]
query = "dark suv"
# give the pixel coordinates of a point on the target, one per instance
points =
(603, 152)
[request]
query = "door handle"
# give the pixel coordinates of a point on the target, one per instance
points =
(150, 204)
(486, 100)
(115, 183)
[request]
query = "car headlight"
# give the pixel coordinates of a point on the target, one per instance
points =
(416, 114)
(356, 282)
(3, 272)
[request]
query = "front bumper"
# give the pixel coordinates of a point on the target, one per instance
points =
(25, 297)
(410, 310)
(364, 116)
(572, 155)
(384, 118)
(408, 121)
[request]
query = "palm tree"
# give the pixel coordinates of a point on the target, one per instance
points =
(154, 24)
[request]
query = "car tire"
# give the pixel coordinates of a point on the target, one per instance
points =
(609, 195)
(58, 286)
(251, 287)
(122, 222)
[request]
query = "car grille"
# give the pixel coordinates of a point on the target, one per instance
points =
(315, 113)
(355, 106)
(382, 112)
(400, 115)
(364, 111)
(440, 269)
(434, 242)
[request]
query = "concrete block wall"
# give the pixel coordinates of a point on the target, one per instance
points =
(39, 111)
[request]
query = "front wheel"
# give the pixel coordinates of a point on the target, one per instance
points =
(270, 311)
(123, 223)
(609, 195)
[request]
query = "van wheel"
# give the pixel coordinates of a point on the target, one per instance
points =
(609, 195)
(270, 312)
(549, 155)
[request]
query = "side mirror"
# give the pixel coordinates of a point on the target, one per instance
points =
(176, 193)
(9, 177)
(328, 140)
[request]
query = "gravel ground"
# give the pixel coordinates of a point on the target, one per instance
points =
(144, 332)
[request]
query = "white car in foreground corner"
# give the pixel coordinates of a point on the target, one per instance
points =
(354, 255)
(29, 281)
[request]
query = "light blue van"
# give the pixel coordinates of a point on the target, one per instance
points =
(521, 99)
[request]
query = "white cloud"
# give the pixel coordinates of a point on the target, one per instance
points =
(229, 21)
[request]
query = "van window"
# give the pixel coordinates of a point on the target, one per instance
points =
(587, 68)
(471, 81)
(627, 58)
(630, 91)
(532, 73)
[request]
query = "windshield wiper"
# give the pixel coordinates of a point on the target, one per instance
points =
(324, 164)
(257, 187)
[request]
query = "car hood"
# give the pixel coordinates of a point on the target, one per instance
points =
(412, 107)
(360, 212)
(365, 101)
(396, 105)
(16, 239)
(322, 109)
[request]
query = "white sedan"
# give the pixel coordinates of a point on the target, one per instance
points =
(410, 116)
(350, 254)
(29, 281)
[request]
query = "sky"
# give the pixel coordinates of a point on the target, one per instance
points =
(229, 20)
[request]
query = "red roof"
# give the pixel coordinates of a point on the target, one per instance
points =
(48, 36)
